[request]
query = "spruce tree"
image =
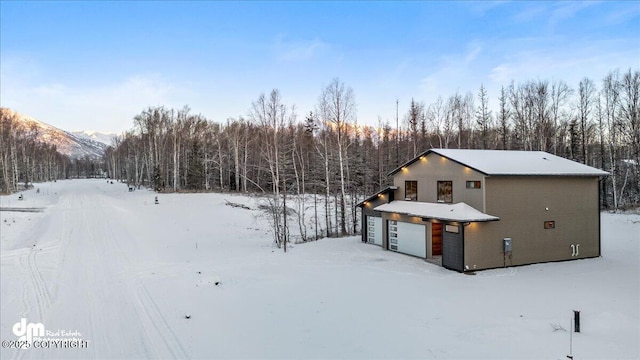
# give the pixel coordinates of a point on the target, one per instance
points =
(195, 171)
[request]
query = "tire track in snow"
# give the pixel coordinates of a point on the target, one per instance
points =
(156, 326)
(104, 263)
(25, 297)
(28, 262)
(39, 281)
(158, 331)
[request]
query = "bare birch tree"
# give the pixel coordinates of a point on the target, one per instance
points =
(337, 106)
(483, 117)
(586, 93)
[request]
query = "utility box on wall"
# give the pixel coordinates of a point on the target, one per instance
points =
(507, 245)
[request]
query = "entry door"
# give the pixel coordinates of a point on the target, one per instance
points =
(374, 230)
(436, 239)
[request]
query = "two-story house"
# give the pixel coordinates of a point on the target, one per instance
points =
(479, 209)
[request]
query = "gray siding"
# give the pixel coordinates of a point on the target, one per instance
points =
(433, 168)
(523, 205)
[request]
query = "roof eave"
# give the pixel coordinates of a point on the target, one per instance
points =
(383, 191)
(410, 162)
(427, 152)
(462, 220)
(442, 218)
(396, 170)
(552, 174)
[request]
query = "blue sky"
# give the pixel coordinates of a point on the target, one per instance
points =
(94, 65)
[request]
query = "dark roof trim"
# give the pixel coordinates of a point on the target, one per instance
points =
(383, 191)
(396, 170)
(427, 153)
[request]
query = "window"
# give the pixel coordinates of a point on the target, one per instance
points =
(474, 184)
(411, 190)
(452, 229)
(445, 189)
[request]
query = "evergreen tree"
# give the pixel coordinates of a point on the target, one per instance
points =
(195, 172)
(157, 179)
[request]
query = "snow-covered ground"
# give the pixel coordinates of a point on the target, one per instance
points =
(113, 268)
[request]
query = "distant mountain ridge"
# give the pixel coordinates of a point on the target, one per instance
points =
(105, 138)
(76, 145)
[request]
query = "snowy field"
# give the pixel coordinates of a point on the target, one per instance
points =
(111, 267)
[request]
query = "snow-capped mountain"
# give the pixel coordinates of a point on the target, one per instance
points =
(73, 145)
(105, 138)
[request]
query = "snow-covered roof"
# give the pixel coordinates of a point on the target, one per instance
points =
(510, 162)
(383, 191)
(453, 212)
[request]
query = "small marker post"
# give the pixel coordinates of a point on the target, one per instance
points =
(570, 356)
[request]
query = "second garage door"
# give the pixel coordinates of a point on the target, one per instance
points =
(374, 230)
(407, 238)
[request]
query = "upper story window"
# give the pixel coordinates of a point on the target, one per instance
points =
(445, 191)
(411, 190)
(474, 184)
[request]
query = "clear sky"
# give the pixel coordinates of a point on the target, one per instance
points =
(95, 65)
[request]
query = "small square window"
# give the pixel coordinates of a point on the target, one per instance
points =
(452, 229)
(474, 184)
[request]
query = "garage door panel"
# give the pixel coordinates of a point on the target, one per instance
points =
(407, 238)
(374, 230)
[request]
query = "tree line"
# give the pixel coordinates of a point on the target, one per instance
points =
(326, 158)
(26, 158)
(23, 157)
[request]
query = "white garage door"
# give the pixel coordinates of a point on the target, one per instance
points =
(407, 238)
(374, 230)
